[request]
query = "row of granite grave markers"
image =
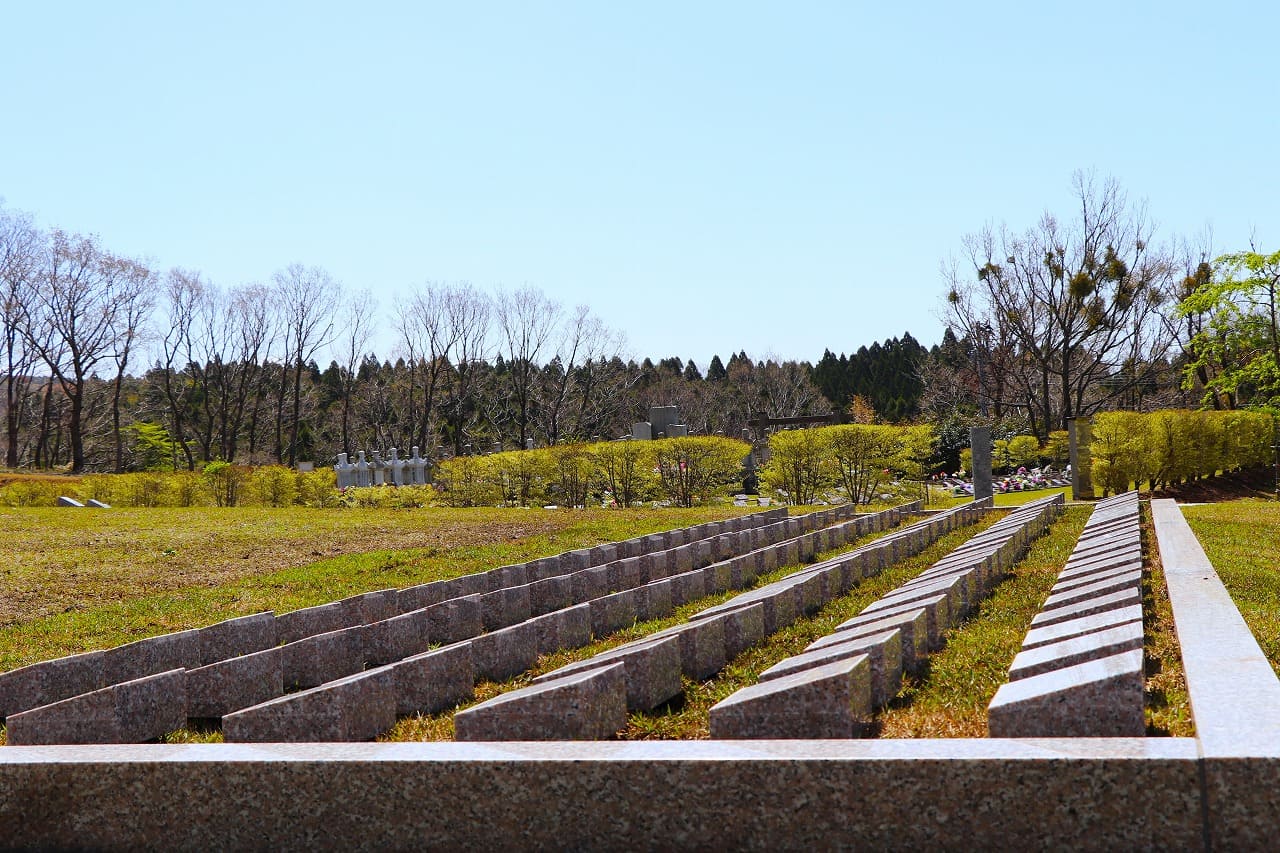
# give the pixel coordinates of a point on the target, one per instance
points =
(356, 665)
(235, 662)
(590, 698)
(1080, 670)
(522, 621)
(831, 689)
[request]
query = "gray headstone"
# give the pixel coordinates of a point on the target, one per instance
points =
(434, 681)
(980, 444)
(230, 685)
(358, 707)
(132, 712)
(240, 636)
(826, 702)
(589, 705)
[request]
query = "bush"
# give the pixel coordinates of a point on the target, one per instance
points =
(1172, 446)
(34, 492)
(800, 464)
(274, 485)
(573, 466)
(318, 488)
(468, 481)
(625, 469)
(520, 476)
(691, 468)
(226, 482)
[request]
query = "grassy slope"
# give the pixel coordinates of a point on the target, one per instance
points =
(73, 580)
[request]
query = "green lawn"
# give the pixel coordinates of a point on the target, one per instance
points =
(75, 580)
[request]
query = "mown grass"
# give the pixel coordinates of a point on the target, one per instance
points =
(1241, 539)
(74, 580)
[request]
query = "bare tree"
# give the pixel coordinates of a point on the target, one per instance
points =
(357, 326)
(73, 317)
(584, 351)
(526, 319)
(467, 313)
(309, 299)
(1083, 301)
(20, 254)
(135, 299)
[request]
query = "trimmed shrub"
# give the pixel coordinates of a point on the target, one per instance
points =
(691, 468)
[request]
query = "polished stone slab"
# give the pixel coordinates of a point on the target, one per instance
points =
(357, 707)
(50, 681)
(1064, 653)
(743, 628)
(1098, 698)
(239, 636)
(550, 594)
(612, 613)
(912, 624)
(504, 607)
(153, 655)
(909, 794)
(652, 670)
(312, 661)
(454, 619)
(884, 653)
(654, 600)
(1115, 583)
(831, 701)
(1088, 607)
(309, 621)
(1082, 626)
(500, 655)
(221, 688)
(434, 681)
(398, 637)
(132, 712)
(587, 705)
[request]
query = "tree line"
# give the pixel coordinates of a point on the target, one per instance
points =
(110, 364)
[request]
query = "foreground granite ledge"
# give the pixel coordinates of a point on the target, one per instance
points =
(1082, 793)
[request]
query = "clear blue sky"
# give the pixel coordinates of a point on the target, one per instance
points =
(708, 177)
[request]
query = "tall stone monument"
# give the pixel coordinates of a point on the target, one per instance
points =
(980, 444)
(1079, 437)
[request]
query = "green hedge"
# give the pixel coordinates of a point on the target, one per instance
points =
(683, 471)
(853, 459)
(219, 484)
(1172, 446)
